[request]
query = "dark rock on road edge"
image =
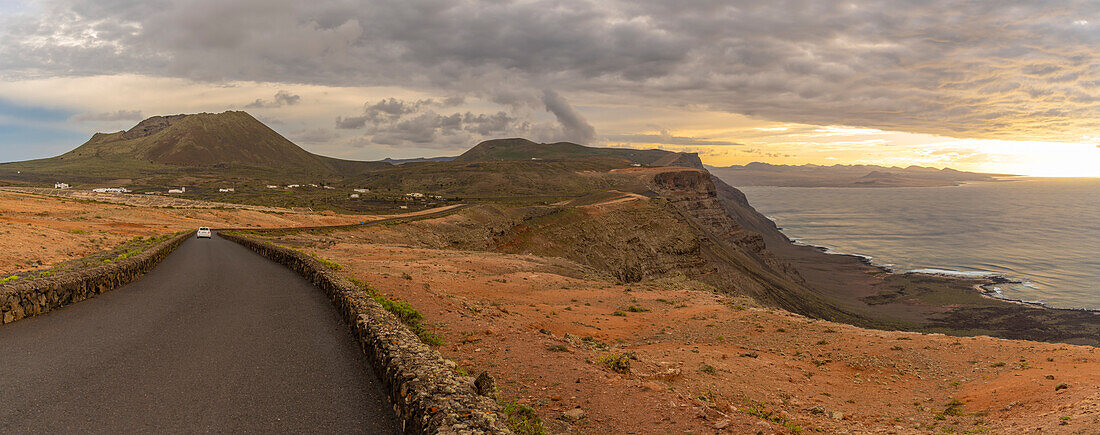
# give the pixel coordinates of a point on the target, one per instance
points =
(26, 298)
(428, 396)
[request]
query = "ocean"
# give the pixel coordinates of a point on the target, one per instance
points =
(1042, 232)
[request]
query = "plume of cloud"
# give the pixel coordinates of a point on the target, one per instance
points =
(574, 127)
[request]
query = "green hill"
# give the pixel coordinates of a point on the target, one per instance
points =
(523, 149)
(189, 144)
(204, 139)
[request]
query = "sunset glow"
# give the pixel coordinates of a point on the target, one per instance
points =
(872, 86)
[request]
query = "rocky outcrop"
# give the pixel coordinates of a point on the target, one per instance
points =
(428, 397)
(738, 253)
(696, 195)
(151, 126)
(31, 297)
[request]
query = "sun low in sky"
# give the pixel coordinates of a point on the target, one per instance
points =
(1006, 87)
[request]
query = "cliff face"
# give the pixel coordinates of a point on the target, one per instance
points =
(681, 227)
(739, 254)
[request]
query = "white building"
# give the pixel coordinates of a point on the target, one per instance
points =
(329, 187)
(292, 186)
(361, 190)
(415, 195)
(60, 185)
(354, 196)
(111, 190)
(272, 186)
(180, 190)
(227, 189)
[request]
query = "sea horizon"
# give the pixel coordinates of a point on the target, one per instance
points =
(980, 229)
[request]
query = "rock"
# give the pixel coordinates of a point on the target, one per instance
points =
(1061, 386)
(574, 414)
(836, 415)
(817, 410)
(485, 385)
(722, 424)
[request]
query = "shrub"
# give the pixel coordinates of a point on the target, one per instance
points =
(760, 411)
(404, 311)
(9, 279)
(637, 309)
(954, 407)
(329, 264)
(522, 419)
(616, 362)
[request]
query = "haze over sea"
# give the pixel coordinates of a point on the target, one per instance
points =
(1044, 232)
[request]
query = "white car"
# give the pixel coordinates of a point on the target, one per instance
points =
(203, 232)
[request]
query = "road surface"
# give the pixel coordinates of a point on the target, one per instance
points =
(215, 339)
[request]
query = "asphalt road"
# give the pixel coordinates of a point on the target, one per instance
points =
(215, 339)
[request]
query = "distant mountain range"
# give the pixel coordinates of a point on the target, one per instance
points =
(523, 149)
(213, 150)
(764, 174)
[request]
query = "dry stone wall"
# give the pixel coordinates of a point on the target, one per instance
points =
(426, 394)
(31, 297)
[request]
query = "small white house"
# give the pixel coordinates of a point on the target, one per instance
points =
(361, 190)
(354, 196)
(180, 190)
(293, 186)
(312, 185)
(329, 187)
(61, 185)
(272, 186)
(227, 189)
(415, 195)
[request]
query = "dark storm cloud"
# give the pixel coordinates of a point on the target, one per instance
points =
(1006, 69)
(395, 122)
(282, 98)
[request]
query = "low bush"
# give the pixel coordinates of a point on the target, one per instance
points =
(404, 311)
(616, 362)
(522, 419)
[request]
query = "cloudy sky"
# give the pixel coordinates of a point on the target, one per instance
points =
(1008, 86)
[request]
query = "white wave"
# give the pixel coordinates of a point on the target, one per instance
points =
(955, 273)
